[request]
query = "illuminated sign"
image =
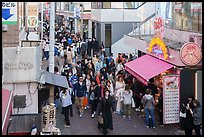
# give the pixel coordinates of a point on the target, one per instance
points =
(158, 47)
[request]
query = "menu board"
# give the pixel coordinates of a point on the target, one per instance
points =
(170, 99)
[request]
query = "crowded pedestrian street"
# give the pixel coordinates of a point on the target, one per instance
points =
(102, 68)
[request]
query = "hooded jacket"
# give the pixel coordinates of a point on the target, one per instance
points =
(148, 101)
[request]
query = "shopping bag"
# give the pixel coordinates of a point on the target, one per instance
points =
(100, 119)
(62, 53)
(133, 103)
(84, 101)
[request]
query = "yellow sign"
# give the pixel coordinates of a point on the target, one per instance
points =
(158, 42)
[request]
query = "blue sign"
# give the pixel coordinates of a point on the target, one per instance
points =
(6, 14)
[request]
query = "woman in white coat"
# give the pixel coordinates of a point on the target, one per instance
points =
(119, 88)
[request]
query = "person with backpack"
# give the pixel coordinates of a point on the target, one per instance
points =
(148, 104)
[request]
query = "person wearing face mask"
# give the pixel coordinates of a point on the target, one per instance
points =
(105, 106)
(80, 94)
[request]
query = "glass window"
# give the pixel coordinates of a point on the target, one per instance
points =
(118, 5)
(187, 16)
(96, 5)
(106, 5)
(129, 5)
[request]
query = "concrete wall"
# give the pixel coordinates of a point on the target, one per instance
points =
(119, 29)
(31, 99)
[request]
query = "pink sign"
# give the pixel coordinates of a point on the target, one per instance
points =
(190, 54)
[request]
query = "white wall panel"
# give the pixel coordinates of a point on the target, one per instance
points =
(22, 89)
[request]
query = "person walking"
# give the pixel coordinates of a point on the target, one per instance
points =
(105, 106)
(66, 105)
(95, 46)
(80, 94)
(127, 101)
(89, 47)
(188, 120)
(119, 88)
(94, 96)
(197, 116)
(148, 104)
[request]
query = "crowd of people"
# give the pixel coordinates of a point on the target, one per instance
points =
(100, 82)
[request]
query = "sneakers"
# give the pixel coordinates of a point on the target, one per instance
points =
(80, 115)
(137, 109)
(94, 112)
(147, 126)
(153, 127)
(85, 108)
(92, 115)
(66, 125)
(129, 118)
(124, 116)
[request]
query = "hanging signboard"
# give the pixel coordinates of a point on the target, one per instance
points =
(32, 19)
(9, 13)
(190, 54)
(170, 99)
(196, 6)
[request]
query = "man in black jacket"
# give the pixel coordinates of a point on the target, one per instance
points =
(95, 46)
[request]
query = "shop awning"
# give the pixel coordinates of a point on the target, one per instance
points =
(7, 97)
(146, 67)
(53, 79)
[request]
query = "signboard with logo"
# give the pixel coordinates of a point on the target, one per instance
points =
(171, 99)
(77, 13)
(22, 67)
(190, 54)
(158, 48)
(32, 20)
(9, 13)
(196, 6)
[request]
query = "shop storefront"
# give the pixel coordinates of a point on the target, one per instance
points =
(173, 66)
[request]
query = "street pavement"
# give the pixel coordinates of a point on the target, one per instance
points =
(88, 126)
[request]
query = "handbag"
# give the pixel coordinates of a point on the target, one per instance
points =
(133, 102)
(183, 115)
(84, 101)
(100, 119)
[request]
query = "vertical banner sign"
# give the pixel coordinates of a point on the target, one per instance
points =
(9, 13)
(178, 6)
(32, 20)
(196, 6)
(77, 13)
(171, 99)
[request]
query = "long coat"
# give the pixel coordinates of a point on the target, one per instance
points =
(105, 107)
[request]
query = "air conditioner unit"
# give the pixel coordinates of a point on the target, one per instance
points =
(197, 39)
(4, 28)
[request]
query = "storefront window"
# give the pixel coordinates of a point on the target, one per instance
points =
(106, 5)
(96, 5)
(187, 16)
(129, 5)
(117, 5)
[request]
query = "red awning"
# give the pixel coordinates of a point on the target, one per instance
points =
(7, 97)
(146, 67)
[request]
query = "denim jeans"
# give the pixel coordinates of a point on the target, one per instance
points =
(56, 102)
(150, 112)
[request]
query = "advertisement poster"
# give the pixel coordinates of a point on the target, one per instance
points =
(171, 99)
